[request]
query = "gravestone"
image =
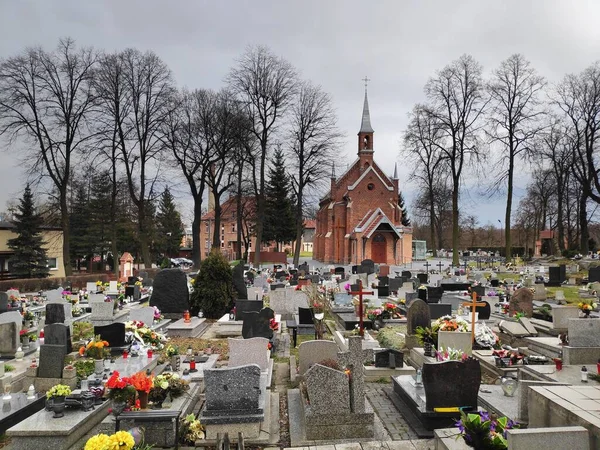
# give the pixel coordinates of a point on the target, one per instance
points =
(562, 315)
(383, 291)
(254, 293)
(418, 315)
(384, 270)
(522, 301)
(452, 384)
(102, 311)
(9, 338)
(304, 268)
(367, 266)
(305, 316)
(114, 334)
(437, 310)
(389, 358)
(231, 393)
(239, 284)
(12, 316)
(484, 311)
(95, 298)
(422, 294)
(52, 361)
(342, 299)
(434, 294)
(243, 352)
(479, 290)
(353, 359)
(340, 271)
(148, 282)
(54, 295)
(494, 282)
(90, 287)
(144, 314)
(328, 390)
(257, 324)
(315, 352)
(55, 313)
(406, 274)
(384, 280)
(133, 292)
(58, 334)
(594, 274)
(422, 277)
(3, 302)
(170, 292)
(243, 306)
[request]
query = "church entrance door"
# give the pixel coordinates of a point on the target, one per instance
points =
(378, 249)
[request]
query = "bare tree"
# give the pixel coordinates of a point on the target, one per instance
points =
(46, 99)
(423, 146)
(514, 119)
(183, 135)
(456, 103)
(265, 84)
(148, 85)
(314, 137)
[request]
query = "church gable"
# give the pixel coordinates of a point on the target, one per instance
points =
(371, 178)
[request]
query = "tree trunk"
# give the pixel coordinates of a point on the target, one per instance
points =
(216, 243)
(196, 231)
(455, 260)
(509, 199)
(583, 224)
(559, 215)
(238, 217)
(143, 235)
(299, 229)
(64, 222)
(432, 223)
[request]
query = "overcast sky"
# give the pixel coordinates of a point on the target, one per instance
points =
(397, 44)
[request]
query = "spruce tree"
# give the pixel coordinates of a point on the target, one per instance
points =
(169, 227)
(405, 219)
(30, 259)
(279, 224)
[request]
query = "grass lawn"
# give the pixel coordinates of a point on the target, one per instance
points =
(571, 292)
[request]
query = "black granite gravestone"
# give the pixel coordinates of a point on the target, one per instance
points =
(52, 361)
(422, 294)
(305, 316)
(367, 266)
(452, 384)
(243, 306)
(594, 274)
(438, 310)
(423, 278)
(484, 311)
(3, 302)
(129, 291)
(354, 270)
(389, 358)
(55, 313)
(395, 284)
(114, 334)
(132, 280)
(383, 291)
(58, 334)
(239, 284)
(494, 282)
(417, 316)
(406, 274)
(384, 280)
(258, 324)
(434, 294)
(170, 292)
(479, 290)
(340, 271)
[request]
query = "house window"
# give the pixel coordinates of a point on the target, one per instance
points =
(206, 243)
(52, 264)
(233, 227)
(207, 229)
(222, 244)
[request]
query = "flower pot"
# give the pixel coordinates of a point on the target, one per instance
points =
(98, 366)
(175, 363)
(143, 398)
(58, 406)
(25, 341)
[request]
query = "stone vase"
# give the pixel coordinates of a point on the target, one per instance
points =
(98, 366)
(143, 398)
(175, 363)
(58, 406)
(25, 342)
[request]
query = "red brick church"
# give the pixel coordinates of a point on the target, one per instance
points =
(359, 218)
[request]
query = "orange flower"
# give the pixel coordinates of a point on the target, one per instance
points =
(81, 351)
(141, 382)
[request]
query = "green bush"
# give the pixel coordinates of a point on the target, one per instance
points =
(213, 288)
(388, 337)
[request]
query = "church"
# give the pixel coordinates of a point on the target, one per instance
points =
(359, 218)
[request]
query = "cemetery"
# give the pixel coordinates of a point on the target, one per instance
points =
(348, 356)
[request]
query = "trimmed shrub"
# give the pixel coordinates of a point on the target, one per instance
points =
(213, 287)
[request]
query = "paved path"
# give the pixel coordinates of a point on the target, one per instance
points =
(392, 420)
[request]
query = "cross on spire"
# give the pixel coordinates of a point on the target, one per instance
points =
(366, 80)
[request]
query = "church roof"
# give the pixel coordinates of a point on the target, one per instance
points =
(365, 125)
(372, 221)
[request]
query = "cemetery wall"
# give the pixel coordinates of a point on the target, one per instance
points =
(43, 284)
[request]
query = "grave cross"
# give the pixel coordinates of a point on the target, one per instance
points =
(440, 265)
(427, 266)
(354, 360)
(472, 304)
(360, 293)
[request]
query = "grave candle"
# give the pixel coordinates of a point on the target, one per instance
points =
(125, 354)
(186, 316)
(150, 353)
(193, 364)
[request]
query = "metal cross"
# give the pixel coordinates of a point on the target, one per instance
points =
(440, 265)
(427, 266)
(360, 293)
(366, 80)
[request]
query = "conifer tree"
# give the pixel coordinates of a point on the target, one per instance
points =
(279, 224)
(169, 227)
(405, 219)
(30, 259)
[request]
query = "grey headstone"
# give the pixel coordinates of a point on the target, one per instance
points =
(90, 287)
(170, 292)
(55, 313)
(3, 302)
(54, 295)
(418, 315)
(52, 361)
(103, 310)
(342, 299)
(9, 337)
(354, 359)
(313, 352)
(243, 352)
(328, 390)
(513, 328)
(389, 358)
(95, 298)
(58, 334)
(144, 314)
(367, 266)
(232, 391)
(528, 326)
(584, 332)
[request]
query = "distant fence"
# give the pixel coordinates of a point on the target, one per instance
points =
(270, 257)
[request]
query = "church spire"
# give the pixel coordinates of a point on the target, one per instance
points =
(333, 171)
(365, 125)
(395, 177)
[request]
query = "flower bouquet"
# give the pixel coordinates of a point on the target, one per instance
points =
(167, 384)
(96, 349)
(274, 325)
(375, 314)
(122, 440)
(121, 390)
(142, 382)
(172, 350)
(450, 323)
(450, 354)
(191, 429)
(587, 306)
(484, 431)
(157, 315)
(484, 336)
(58, 390)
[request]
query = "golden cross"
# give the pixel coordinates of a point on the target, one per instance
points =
(360, 293)
(472, 304)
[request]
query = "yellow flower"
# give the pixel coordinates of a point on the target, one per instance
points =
(97, 442)
(121, 440)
